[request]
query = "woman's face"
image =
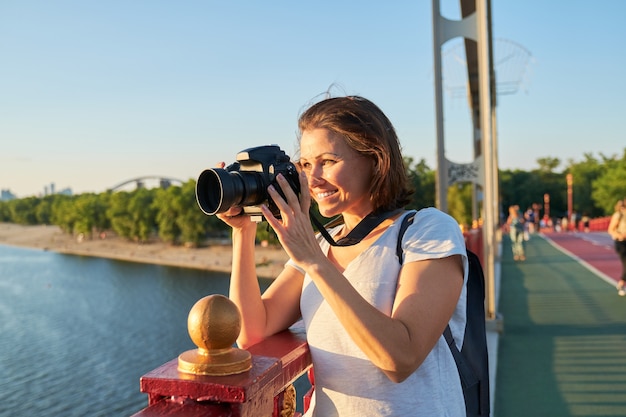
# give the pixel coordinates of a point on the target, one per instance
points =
(338, 176)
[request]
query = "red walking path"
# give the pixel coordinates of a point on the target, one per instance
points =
(594, 250)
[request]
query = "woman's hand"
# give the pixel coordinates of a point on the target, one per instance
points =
(235, 218)
(294, 228)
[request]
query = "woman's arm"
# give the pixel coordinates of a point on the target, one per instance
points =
(267, 314)
(612, 229)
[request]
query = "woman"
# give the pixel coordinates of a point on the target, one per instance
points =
(516, 233)
(374, 327)
(617, 230)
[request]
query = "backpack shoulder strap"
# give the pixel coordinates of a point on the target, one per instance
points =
(406, 222)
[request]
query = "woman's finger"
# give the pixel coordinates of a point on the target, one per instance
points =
(285, 186)
(271, 219)
(305, 197)
(280, 202)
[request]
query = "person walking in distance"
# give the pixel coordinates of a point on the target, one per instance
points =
(515, 221)
(617, 230)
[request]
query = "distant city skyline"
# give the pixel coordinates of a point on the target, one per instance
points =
(48, 189)
(95, 93)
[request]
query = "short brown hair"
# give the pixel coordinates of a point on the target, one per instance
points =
(368, 131)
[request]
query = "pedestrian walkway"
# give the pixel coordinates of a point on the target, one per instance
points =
(563, 348)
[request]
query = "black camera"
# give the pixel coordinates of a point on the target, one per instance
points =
(244, 183)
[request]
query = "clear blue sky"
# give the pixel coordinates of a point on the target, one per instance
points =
(93, 93)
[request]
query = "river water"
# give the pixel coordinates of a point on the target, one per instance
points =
(77, 333)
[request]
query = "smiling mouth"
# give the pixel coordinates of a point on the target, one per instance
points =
(320, 196)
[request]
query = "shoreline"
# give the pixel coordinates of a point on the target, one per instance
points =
(215, 257)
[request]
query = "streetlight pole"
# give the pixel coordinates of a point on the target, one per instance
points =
(546, 209)
(570, 197)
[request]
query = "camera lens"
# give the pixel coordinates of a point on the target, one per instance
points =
(218, 190)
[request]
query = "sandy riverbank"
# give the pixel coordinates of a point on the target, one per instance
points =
(218, 257)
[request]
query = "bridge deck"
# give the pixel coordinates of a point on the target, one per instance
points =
(563, 349)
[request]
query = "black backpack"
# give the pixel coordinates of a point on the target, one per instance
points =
(472, 361)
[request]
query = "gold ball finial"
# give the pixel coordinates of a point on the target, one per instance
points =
(214, 324)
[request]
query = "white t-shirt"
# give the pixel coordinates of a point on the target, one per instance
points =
(347, 384)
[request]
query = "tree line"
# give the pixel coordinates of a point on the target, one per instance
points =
(173, 216)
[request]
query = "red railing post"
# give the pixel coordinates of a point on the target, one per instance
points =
(260, 392)
(474, 242)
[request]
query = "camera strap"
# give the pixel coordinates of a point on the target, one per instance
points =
(357, 234)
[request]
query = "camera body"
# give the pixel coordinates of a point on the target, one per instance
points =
(244, 183)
